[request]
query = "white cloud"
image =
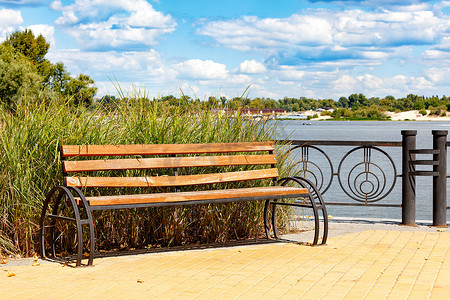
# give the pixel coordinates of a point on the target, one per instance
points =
(9, 22)
(202, 69)
(149, 69)
(119, 24)
(335, 84)
(444, 44)
(388, 28)
(127, 65)
(56, 5)
(10, 17)
(240, 79)
(252, 67)
(252, 33)
(19, 2)
(344, 84)
(206, 77)
(435, 55)
(439, 76)
(316, 53)
(371, 82)
(143, 15)
(330, 35)
(286, 73)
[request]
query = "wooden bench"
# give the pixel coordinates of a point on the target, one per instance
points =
(236, 162)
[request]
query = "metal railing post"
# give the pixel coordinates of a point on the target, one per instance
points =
(440, 181)
(408, 181)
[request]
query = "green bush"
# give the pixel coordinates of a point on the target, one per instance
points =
(372, 113)
(30, 166)
(423, 112)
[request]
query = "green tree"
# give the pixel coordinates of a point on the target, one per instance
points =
(213, 102)
(419, 105)
(385, 103)
(255, 103)
(56, 77)
(18, 77)
(357, 100)
(31, 47)
(24, 69)
(223, 101)
(108, 102)
(234, 104)
(81, 90)
(343, 102)
(327, 103)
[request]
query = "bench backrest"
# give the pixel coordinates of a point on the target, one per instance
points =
(175, 156)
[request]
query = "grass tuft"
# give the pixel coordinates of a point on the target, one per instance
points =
(30, 166)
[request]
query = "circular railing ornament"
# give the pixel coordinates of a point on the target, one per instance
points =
(310, 163)
(366, 181)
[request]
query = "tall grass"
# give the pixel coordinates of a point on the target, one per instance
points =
(30, 166)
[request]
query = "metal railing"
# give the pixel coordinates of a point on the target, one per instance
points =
(367, 174)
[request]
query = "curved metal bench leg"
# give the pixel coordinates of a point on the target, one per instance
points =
(53, 222)
(63, 191)
(90, 222)
(42, 221)
(274, 219)
(316, 220)
(270, 205)
(325, 217)
(314, 195)
(266, 218)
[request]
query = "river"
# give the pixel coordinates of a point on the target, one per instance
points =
(367, 131)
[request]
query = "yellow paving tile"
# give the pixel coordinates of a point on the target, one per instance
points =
(364, 265)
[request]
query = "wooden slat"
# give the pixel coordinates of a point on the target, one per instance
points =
(163, 149)
(198, 195)
(167, 162)
(162, 181)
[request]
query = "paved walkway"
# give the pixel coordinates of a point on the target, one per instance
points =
(371, 264)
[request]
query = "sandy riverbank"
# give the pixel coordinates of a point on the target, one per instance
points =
(415, 115)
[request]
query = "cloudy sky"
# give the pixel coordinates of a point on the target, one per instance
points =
(293, 48)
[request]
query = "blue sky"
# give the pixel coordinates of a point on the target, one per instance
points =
(294, 48)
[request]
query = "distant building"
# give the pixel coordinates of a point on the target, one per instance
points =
(296, 116)
(320, 109)
(263, 111)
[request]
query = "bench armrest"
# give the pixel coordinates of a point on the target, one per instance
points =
(302, 181)
(317, 204)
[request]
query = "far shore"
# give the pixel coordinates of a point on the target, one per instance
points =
(412, 115)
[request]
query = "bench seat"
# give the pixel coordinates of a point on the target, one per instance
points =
(196, 197)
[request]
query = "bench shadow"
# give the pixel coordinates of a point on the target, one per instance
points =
(70, 260)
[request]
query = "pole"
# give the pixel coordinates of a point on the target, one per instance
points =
(408, 182)
(440, 181)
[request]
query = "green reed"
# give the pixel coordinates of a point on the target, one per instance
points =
(30, 166)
